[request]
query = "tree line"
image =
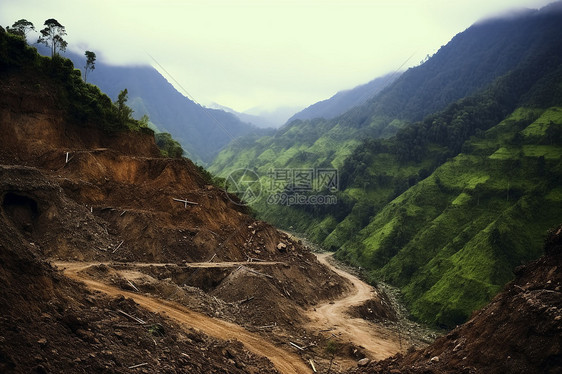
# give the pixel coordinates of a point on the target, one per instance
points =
(88, 101)
(52, 36)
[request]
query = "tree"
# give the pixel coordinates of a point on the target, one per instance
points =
(144, 121)
(90, 63)
(52, 35)
(21, 28)
(332, 347)
(123, 111)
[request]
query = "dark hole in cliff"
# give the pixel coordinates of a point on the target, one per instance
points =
(21, 210)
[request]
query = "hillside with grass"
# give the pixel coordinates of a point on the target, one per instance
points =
(449, 205)
(469, 63)
(452, 240)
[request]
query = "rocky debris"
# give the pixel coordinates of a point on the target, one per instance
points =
(518, 332)
(70, 191)
(51, 324)
(363, 362)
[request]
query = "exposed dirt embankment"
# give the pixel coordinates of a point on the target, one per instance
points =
(285, 361)
(520, 331)
(33, 124)
(69, 191)
(50, 324)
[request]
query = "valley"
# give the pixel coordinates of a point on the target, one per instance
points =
(102, 206)
(426, 237)
(445, 183)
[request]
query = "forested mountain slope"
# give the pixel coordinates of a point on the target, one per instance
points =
(468, 63)
(447, 207)
(201, 131)
(343, 101)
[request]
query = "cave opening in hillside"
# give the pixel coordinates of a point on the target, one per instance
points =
(21, 210)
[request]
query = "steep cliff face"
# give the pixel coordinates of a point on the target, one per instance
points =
(520, 331)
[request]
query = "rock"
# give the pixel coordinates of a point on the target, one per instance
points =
(281, 246)
(226, 353)
(363, 362)
(434, 359)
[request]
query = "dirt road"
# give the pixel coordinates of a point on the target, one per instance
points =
(378, 341)
(284, 360)
(228, 264)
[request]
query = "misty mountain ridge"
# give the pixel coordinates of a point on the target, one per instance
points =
(449, 177)
(201, 131)
(344, 100)
(278, 116)
(261, 119)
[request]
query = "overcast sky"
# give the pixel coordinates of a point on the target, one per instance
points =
(262, 53)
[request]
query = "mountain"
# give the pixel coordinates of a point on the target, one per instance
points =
(201, 131)
(256, 120)
(470, 62)
(277, 116)
(343, 101)
(448, 178)
(115, 257)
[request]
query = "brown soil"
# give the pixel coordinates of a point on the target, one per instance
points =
(50, 324)
(520, 331)
(284, 361)
(377, 341)
(71, 193)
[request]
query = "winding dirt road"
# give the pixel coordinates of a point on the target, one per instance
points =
(378, 341)
(284, 360)
(224, 264)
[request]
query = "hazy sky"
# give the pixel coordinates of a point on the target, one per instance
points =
(266, 53)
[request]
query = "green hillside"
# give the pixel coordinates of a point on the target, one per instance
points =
(446, 206)
(451, 241)
(470, 62)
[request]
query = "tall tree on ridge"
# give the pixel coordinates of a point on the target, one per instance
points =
(52, 35)
(90, 63)
(21, 28)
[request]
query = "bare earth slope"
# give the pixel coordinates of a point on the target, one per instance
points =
(284, 361)
(70, 191)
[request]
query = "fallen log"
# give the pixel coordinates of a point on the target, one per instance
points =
(185, 202)
(312, 365)
(136, 319)
(132, 285)
(119, 246)
(138, 365)
(296, 346)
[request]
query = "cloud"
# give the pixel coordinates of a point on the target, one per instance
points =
(268, 53)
